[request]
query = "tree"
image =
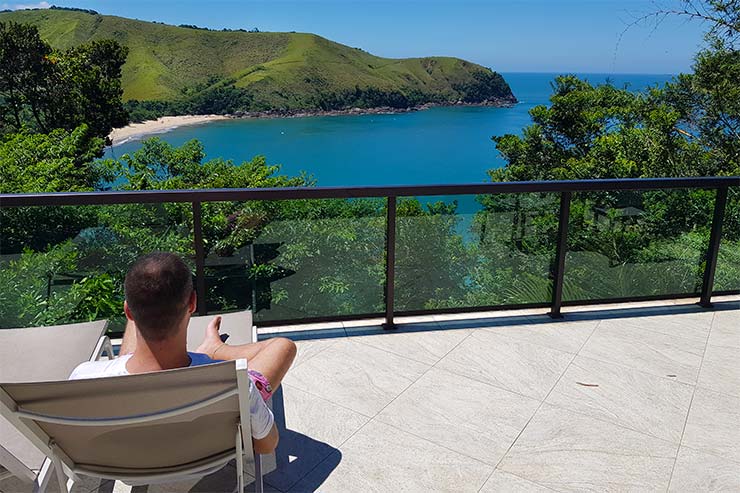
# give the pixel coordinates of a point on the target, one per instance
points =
(45, 89)
(25, 69)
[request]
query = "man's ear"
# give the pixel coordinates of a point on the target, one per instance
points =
(127, 311)
(192, 302)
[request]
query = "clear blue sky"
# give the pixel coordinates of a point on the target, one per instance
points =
(506, 35)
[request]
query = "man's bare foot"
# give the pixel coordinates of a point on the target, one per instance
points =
(212, 340)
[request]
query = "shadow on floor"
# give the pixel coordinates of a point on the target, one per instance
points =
(297, 455)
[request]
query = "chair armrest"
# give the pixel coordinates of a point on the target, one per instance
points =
(103, 346)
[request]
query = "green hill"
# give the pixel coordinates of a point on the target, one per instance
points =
(182, 69)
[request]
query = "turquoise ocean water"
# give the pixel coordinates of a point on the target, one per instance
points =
(436, 146)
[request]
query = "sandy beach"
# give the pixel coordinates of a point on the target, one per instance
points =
(161, 125)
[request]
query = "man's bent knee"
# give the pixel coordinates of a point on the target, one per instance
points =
(286, 347)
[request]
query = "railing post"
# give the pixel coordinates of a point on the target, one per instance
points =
(200, 259)
(560, 251)
(390, 262)
(720, 203)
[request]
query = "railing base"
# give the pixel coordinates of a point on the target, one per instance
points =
(388, 325)
(555, 314)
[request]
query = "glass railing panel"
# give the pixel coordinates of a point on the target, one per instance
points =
(296, 259)
(727, 275)
(637, 243)
(474, 251)
(67, 264)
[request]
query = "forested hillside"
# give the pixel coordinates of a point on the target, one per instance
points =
(178, 70)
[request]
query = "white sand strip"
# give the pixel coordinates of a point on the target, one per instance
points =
(161, 125)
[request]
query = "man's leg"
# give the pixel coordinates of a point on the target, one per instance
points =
(272, 357)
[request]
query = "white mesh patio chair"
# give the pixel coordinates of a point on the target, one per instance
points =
(238, 325)
(140, 429)
(38, 354)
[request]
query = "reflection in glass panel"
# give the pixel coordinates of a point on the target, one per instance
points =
(295, 259)
(67, 264)
(472, 251)
(633, 243)
(727, 275)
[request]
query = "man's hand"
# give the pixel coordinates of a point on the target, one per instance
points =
(212, 340)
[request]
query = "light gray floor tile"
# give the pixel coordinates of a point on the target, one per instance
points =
(85, 485)
(726, 329)
(646, 403)
(309, 349)
(318, 418)
(564, 336)
(697, 471)
(314, 427)
(521, 367)
(571, 452)
(366, 322)
(505, 482)
(318, 328)
(714, 424)
(15, 485)
(491, 315)
(427, 347)
(690, 326)
(464, 415)
(649, 351)
(222, 480)
(380, 458)
(415, 319)
(356, 376)
(720, 370)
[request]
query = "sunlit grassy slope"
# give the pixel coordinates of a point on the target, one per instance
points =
(277, 70)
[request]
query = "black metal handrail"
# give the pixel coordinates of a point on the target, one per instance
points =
(391, 193)
(290, 193)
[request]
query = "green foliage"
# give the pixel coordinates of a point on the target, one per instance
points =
(60, 161)
(635, 243)
(26, 295)
(431, 258)
(45, 90)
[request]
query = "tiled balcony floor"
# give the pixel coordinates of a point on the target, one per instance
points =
(611, 399)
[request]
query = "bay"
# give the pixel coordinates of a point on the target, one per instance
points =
(440, 145)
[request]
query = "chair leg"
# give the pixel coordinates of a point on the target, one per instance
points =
(43, 477)
(121, 487)
(239, 459)
(259, 486)
(64, 486)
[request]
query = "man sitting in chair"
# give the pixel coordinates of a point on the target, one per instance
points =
(159, 302)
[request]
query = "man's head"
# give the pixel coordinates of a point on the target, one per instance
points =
(159, 295)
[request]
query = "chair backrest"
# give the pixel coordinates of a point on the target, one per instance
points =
(138, 424)
(35, 354)
(238, 325)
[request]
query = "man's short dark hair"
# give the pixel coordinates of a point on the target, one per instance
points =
(158, 288)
